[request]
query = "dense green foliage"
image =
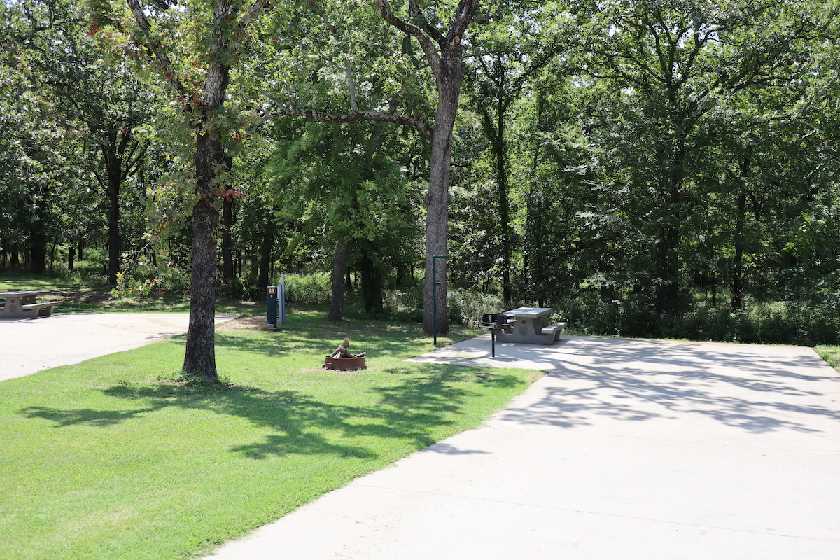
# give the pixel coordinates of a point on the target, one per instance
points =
(646, 168)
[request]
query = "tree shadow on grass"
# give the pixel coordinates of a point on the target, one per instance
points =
(410, 410)
(318, 341)
(309, 331)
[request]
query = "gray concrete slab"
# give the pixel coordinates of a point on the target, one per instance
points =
(624, 449)
(30, 345)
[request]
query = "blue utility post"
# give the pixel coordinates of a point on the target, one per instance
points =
(435, 284)
(271, 306)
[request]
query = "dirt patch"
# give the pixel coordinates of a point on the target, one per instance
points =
(245, 323)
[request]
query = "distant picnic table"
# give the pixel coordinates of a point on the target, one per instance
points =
(529, 326)
(23, 305)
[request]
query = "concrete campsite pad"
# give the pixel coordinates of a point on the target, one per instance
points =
(625, 449)
(30, 345)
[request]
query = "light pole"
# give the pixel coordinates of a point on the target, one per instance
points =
(435, 284)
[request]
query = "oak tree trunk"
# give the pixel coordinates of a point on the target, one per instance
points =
(737, 296)
(227, 241)
(667, 269)
(37, 248)
(200, 354)
(266, 247)
(667, 256)
(500, 153)
(437, 210)
(114, 237)
(227, 234)
(372, 283)
(337, 281)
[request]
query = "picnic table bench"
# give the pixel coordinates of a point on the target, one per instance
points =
(524, 325)
(530, 326)
(23, 305)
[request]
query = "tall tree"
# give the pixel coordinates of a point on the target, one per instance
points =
(443, 47)
(210, 39)
(678, 61)
(91, 89)
(442, 43)
(504, 57)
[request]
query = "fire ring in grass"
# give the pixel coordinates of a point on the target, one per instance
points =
(345, 364)
(342, 360)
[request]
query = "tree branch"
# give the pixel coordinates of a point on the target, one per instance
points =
(426, 43)
(255, 11)
(134, 164)
(161, 58)
(463, 15)
(417, 15)
(353, 117)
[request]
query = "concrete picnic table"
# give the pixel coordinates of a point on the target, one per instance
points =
(17, 305)
(530, 326)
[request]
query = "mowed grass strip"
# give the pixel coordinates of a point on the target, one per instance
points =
(114, 458)
(20, 282)
(829, 353)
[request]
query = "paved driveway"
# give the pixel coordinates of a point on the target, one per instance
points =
(30, 345)
(624, 450)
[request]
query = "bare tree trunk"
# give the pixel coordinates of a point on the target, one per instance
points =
(667, 248)
(266, 247)
(495, 132)
(372, 283)
(667, 268)
(227, 234)
(37, 247)
(737, 301)
(504, 203)
(444, 55)
(200, 353)
(114, 237)
(339, 270)
(227, 241)
(437, 214)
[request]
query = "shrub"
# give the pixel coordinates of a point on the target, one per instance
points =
(466, 307)
(405, 304)
(308, 289)
(776, 322)
(145, 280)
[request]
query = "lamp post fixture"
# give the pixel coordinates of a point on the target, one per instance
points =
(435, 284)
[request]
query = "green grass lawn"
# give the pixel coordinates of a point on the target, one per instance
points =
(114, 458)
(13, 281)
(831, 354)
(78, 298)
(156, 305)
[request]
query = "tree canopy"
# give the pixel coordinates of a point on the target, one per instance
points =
(644, 167)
